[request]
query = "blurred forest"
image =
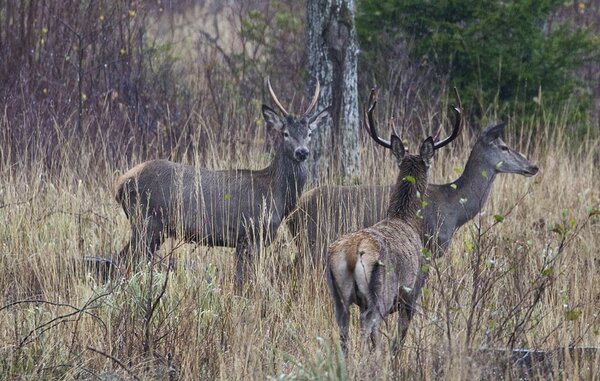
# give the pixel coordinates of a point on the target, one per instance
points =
(518, 57)
(157, 77)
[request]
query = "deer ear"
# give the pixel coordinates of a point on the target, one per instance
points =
(319, 119)
(493, 132)
(272, 118)
(426, 150)
(397, 148)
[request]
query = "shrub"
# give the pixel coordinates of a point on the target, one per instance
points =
(82, 69)
(503, 53)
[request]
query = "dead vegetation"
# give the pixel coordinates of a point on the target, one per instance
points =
(523, 274)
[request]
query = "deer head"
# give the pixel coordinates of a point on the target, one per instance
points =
(294, 131)
(428, 146)
(500, 156)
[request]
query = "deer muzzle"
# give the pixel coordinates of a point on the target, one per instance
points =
(531, 170)
(301, 153)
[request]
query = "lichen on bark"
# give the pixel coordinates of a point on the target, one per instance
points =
(333, 53)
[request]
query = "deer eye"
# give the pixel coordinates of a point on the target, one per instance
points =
(504, 148)
(286, 134)
(309, 134)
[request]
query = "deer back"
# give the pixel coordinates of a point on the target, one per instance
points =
(218, 207)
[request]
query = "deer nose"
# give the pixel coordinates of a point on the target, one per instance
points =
(301, 153)
(533, 169)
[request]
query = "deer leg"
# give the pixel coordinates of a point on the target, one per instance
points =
(405, 314)
(242, 263)
(153, 237)
(375, 337)
(145, 240)
(369, 325)
(342, 314)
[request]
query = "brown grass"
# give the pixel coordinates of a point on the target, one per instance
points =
(515, 285)
(63, 323)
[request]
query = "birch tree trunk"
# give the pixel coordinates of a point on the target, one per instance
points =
(332, 51)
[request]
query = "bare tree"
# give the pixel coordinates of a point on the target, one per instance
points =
(332, 59)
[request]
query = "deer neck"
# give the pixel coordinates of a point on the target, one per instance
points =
(288, 177)
(405, 200)
(472, 187)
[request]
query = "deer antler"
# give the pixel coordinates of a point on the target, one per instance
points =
(369, 121)
(275, 100)
(457, 124)
(314, 100)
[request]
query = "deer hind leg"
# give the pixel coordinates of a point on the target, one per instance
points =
(376, 305)
(369, 325)
(342, 316)
(243, 252)
(405, 314)
(342, 313)
(375, 336)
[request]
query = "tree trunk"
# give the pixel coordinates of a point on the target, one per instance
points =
(332, 59)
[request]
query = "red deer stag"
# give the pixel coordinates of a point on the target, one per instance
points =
(378, 267)
(220, 207)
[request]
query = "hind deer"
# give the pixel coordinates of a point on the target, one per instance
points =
(326, 212)
(220, 207)
(378, 267)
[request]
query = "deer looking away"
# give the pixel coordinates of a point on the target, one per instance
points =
(326, 212)
(220, 207)
(377, 268)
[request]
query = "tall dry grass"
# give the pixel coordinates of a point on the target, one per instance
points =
(514, 285)
(518, 284)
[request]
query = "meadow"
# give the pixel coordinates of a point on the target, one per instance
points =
(186, 84)
(524, 274)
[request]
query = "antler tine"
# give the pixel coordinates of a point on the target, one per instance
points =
(314, 100)
(366, 122)
(457, 124)
(435, 136)
(369, 107)
(370, 122)
(394, 128)
(275, 100)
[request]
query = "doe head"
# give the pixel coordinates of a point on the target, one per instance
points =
(294, 130)
(500, 156)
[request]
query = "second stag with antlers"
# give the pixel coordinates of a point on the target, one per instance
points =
(234, 208)
(378, 268)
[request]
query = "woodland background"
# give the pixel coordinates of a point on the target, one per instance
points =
(90, 88)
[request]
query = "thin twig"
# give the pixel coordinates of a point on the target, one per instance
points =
(2, 206)
(59, 319)
(56, 304)
(115, 360)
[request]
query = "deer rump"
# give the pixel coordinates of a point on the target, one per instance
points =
(376, 267)
(217, 210)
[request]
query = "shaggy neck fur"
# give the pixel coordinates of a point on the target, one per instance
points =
(405, 200)
(288, 177)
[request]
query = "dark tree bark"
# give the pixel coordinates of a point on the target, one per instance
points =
(333, 53)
